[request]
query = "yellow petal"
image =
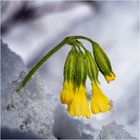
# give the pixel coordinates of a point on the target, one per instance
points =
(110, 77)
(79, 106)
(99, 102)
(67, 93)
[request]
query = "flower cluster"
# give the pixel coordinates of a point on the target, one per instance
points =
(79, 64)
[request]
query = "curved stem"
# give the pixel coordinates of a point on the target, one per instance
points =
(67, 40)
(81, 45)
(37, 66)
(83, 37)
(78, 47)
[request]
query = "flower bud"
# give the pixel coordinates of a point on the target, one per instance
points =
(91, 66)
(103, 63)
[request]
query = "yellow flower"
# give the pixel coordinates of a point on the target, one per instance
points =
(67, 93)
(99, 102)
(110, 77)
(79, 106)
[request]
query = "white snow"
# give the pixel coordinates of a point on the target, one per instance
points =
(32, 110)
(114, 131)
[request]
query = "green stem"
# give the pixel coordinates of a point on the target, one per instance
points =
(67, 40)
(41, 62)
(83, 37)
(81, 45)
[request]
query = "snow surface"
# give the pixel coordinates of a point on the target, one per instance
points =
(35, 113)
(114, 131)
(28, 115)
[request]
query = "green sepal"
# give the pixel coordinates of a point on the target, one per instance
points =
(102, 60)
(70, 64)
(91, 66)
(81, 73)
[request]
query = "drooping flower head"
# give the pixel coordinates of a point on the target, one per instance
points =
(79, 106)
(67, 92)
(77, 66)
(103, 63)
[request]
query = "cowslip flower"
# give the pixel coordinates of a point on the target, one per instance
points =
(67, 92)
(79, 106)
(103, 63)
(77, 67)
(99, 102)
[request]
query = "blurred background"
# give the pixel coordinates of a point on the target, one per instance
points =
(32, 28)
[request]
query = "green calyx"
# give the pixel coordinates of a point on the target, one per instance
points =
(70, 64)
(91, 66)
(81, 73)
(102, 60)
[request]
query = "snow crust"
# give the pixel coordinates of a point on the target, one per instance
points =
(32, 110)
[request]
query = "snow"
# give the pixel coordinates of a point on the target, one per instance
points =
(114, 131)
(32, 110)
